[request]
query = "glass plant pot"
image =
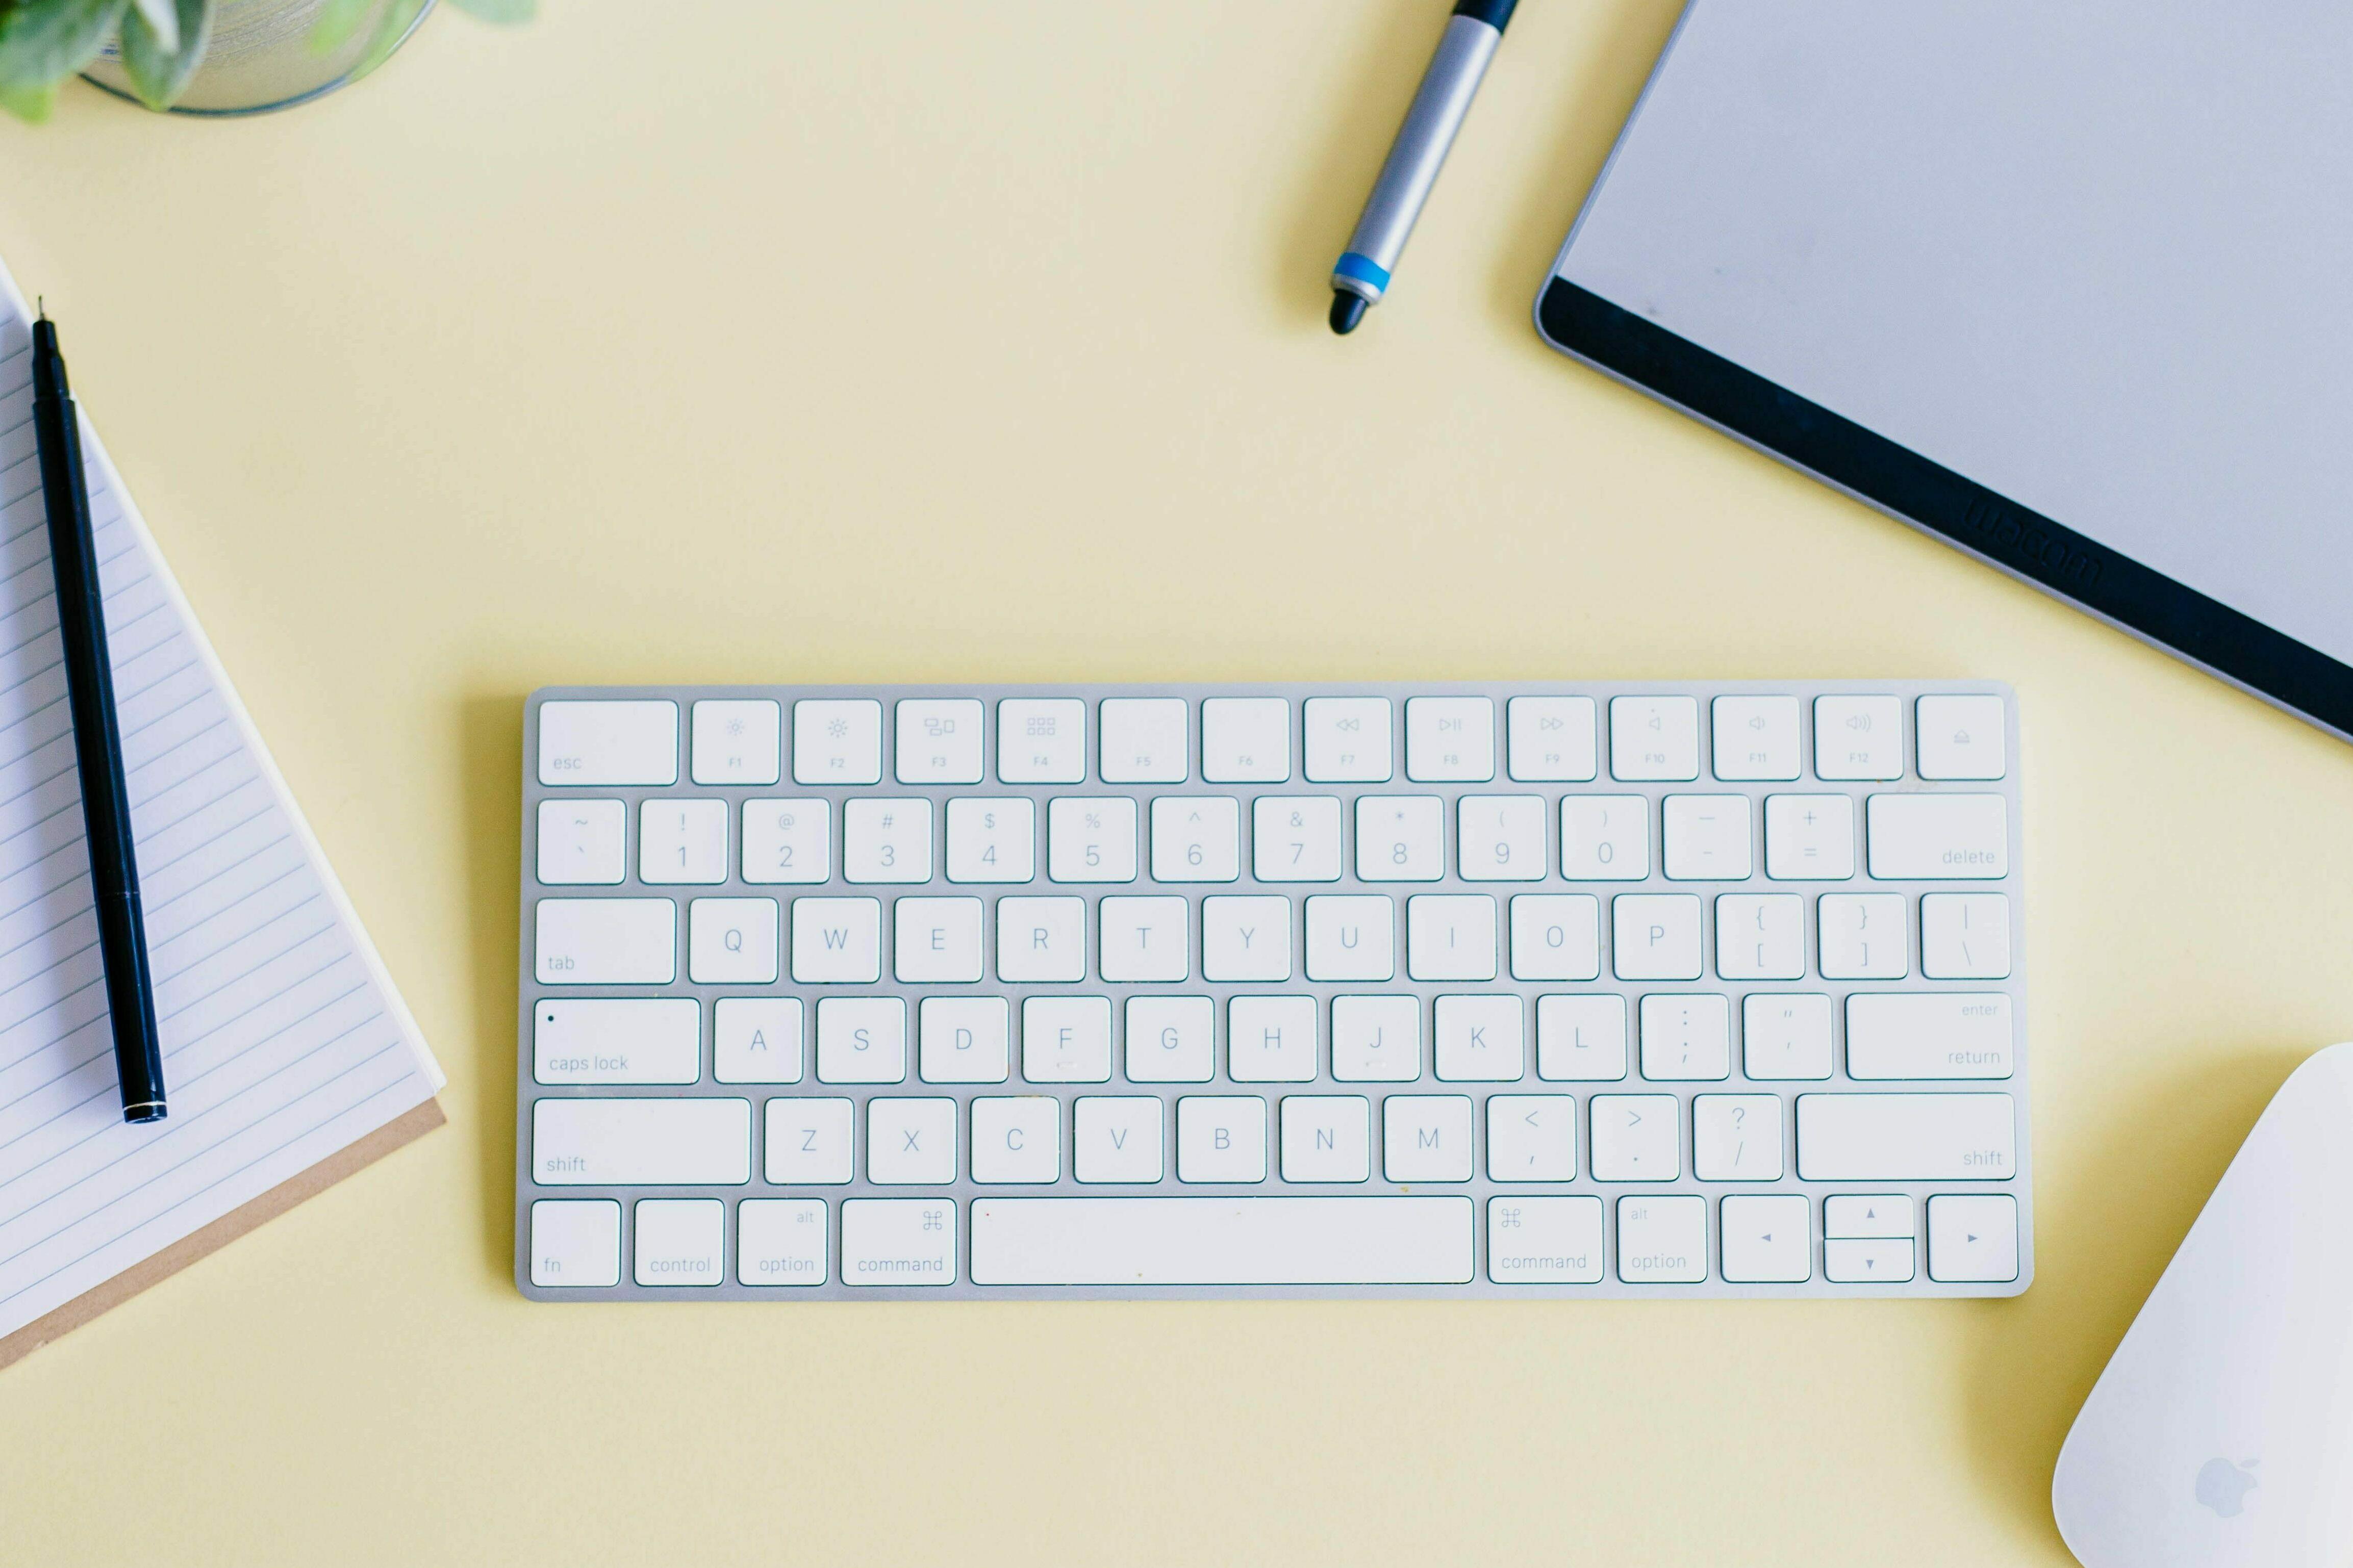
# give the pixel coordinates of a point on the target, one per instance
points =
(261, 58)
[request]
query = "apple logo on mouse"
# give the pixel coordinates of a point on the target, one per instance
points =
(2224, 1486)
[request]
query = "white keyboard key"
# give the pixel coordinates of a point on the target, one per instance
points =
(838, 741)
(1809, 838)
(602, 742)
(1351, 936)
(1581, 1038)
(1868, 1262)
(1530, 1138)
(1867, 1215)
(1116, 1138)
(1556, 936)
(1636, 1137)
(1550, 740)
(1401, 838)
(992, 839)
(1605, 838)
(911, 1142)
(606, 941)
(1295, 838)
(646, 1039)
(935, 941)
(1858, 738)
(1042, 740)
(1091, 838)
(1326, 1138)
(732, 942)
(886, 840)
(1245, 740)
(575, 1244)
(1964, 936)
(1426, 1138)
(1146, 939)
(1016, 1139)
(1704, 837)
(787, 841)
(1760, 936)
(1544, 1241)
(582, 841)
(756, 1039)
(1767, 1238)
(1662, 1241)
(1376, 1039)
(861, 1039)
(1271, 1039)
(1220, 1138)
(938, 740)
(1906, 1137)
(1686, 1037)
(1737, 1137)
(1171, 1039)
(782, 1242)
(1480, 1039)
(1755, 738)
(1926, 837)
(1962, 738)
(1864, 937)
(738, 743)
(1041, 939)
(1972, 1237)
(1653, 738)
(898, 1241)
(836, 941)
(1348, 740)
(641, 1143)
(1784, 1036)
(1221, 1241)
(1144, 740)
(1246, 937)
(683, 841)
(1066, 1039)
(1451, 936)
(1501, 837)
(1449, 740)
(681, 1241)
(1196, 838)
(807, 1142)
(1655, 936)
(1913, 1035)
(963, 1039)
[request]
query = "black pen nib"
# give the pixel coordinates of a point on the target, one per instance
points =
(1347, 309)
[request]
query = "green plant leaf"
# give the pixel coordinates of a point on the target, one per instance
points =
(163, 19)
(158, 68)
(339, 22)
(505, 12)
(42, 42)
(392, 24)
(29, 103)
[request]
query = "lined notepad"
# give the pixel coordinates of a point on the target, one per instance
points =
(284, 1044)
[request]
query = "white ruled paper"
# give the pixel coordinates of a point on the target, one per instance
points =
(283, 1039)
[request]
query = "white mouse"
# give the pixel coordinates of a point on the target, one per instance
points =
(2221, 1432)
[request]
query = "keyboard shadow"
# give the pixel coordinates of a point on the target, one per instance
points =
(2101, 1240)
(490, 747)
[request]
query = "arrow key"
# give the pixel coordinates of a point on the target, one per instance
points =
(1867, 1216)
(1881, 1262)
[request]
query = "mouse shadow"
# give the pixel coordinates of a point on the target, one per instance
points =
(490, 750)
(2101, 1242)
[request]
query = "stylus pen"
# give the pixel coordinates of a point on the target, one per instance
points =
(98, 743)
(1361, 276)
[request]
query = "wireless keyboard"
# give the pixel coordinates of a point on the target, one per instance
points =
(1529, 990)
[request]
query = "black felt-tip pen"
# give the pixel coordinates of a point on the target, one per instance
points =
(97, 741)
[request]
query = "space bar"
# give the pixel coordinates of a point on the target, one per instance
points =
(1221, 1241)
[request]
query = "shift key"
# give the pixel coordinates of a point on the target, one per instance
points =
(1906, 1137)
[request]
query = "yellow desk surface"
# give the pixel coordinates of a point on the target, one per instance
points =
(755, 342)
